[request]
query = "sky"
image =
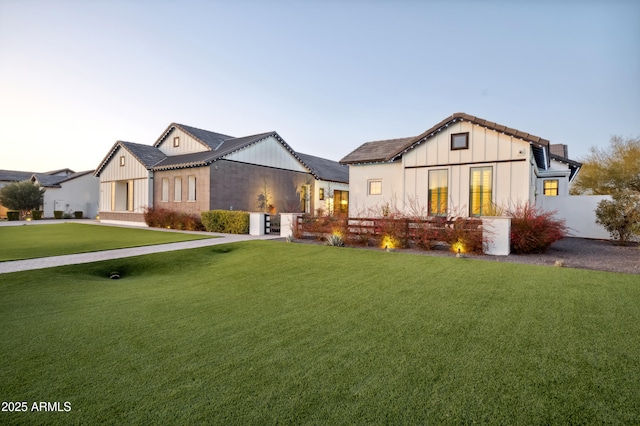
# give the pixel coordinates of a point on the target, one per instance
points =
(77, 76)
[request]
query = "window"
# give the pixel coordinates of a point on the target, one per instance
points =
(122, 161)
(192, 188)
(321, 195)
(438, 192)
(176, 141)
(177, 189)
(460, 141)
(375, 187)
(340, 202)
(550, 187)
(480, 191)
(165, 189)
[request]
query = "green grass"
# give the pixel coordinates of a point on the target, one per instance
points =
(267, 332)
(33, 241)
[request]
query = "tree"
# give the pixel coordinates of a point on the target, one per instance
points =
(620, 215)
(606, 171)
(24, 196)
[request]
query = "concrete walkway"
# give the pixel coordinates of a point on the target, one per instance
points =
(97, 256)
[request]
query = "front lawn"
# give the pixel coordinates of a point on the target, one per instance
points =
(33, 241)
(268, 332)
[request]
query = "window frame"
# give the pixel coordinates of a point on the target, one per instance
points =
(482, 191)
(165, 190)
(192, 195)
(438, 211)
(370, 187)
(321, 194)
(122, 161)
(551, 188)
(466, 141)
(177, 189)
(176, 141)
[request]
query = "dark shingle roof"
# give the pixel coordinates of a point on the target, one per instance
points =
(376, 151)
(47, 180)
(14, 176)
(211, 140)
(325, 169)
(148, 155)
(383, 151)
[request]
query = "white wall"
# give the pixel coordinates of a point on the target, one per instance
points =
(79, 194)
(578, 211)
(360, 202)
(329, 187)
(268, 152)
(187, 144)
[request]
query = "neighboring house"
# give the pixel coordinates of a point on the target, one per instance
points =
(65, 190)
(463, 165)
(69, 192)
(193, 170)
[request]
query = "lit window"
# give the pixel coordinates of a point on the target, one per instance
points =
(176, 141)
(550, 187)
(321, 193)
(375, 187)
(122, 161)
(480, 191)
(438, 192)
(192, 188)
(460, 141)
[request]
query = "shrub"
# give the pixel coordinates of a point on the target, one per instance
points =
(320, 226)
(13, 215)
(620, 216)
(171, 219)
(335, 240)
(393, 231)
(465, 235)
(533, 230)
(36, 214)
(78, 215)
(426, 234)
(226, 221)
(58, 214)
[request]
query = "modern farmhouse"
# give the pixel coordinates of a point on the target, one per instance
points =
(463, 165)
(193, 170)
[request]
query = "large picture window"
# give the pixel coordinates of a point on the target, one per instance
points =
(480, 201)
(438, 192)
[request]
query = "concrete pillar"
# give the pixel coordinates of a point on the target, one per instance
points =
(496, 231)
(287, 222)
(256, 223)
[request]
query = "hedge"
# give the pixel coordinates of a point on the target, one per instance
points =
(226, 221)
(13, 215)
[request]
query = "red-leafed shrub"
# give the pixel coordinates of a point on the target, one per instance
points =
(321, 226)
(171, 219)
(465, 235)
(533, 230)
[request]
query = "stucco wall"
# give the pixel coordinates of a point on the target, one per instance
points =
(361, 203)
(79, 194)
(578, 211)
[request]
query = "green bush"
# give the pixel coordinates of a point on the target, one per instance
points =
(36, 214)
(58, 214)
(78, 214)
(620, 216)
(13, 215)
(226, 221)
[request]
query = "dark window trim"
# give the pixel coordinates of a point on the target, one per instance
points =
(466, 146)
(176, 141)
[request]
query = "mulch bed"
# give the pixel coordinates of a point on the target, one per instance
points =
(601, 255)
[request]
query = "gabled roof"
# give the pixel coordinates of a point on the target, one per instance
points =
(226, 147)
(49, 181)
(147, 155)
(211, 140)
(391, 150)
(324, 169)
(14, 176)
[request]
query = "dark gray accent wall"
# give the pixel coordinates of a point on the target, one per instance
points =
(238, 185)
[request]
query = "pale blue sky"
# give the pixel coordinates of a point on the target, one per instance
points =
(75, 76)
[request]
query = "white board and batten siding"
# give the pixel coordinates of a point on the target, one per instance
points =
(406, 182)
(132, 171)
(187, 144)
(268, 152)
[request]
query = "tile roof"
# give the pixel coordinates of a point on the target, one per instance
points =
(383, 151)
(325, 169)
